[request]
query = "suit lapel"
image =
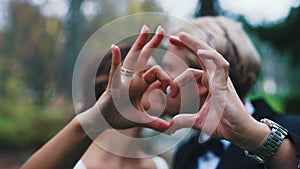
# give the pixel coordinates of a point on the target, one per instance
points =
(234, 158)
(230, 158)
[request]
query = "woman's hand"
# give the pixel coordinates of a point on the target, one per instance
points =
(120, 105)
(223, 114)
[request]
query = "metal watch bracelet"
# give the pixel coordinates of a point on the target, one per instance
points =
(271, 144)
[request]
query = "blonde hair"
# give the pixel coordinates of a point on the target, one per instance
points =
(228, 38)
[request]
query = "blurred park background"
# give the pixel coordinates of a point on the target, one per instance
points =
(41, 39)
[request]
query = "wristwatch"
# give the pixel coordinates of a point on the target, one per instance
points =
(272, 143)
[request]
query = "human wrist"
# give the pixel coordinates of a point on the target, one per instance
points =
(285, 156)
(260, 134)
(270, 146)
(91, 122)
(77, 125)
(253, 135)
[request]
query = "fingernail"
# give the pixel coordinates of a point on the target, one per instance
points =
(168, 90)
(112, 46)
(144, 28)
(158, 29)
(199, 51)
(174, 37)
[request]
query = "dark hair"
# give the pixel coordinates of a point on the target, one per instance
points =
(103, 70)
(98, 82)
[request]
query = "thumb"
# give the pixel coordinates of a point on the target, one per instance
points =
(157, 124)
(116, 61)
(182, 121)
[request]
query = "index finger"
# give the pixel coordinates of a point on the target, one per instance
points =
(149, 48)
(156, 73)
(192, 42)
(188, 75)
(138, 45)
(178, 42)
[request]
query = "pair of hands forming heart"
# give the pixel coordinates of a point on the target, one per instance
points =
(221, 115)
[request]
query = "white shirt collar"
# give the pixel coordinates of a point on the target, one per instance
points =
(249, 107)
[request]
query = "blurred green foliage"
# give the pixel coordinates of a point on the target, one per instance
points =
(29, 55)
(37, 55)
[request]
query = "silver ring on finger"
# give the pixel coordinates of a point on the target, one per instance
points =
(126, 72)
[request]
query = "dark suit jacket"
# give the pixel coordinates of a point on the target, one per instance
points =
(234, 157)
